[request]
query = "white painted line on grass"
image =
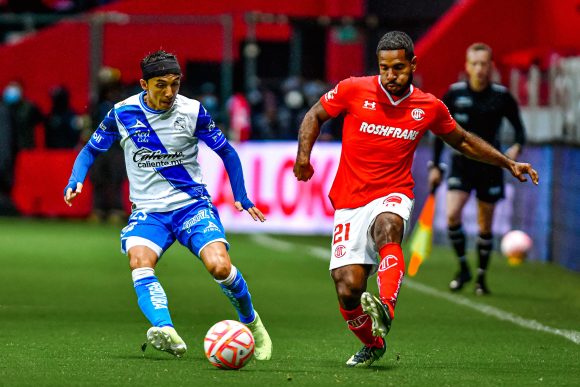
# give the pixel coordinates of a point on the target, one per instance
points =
(322, 253)
(273, 243)
(573, 336)
(280, 245)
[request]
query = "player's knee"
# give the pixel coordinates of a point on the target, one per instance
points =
(388, 228)
(220, 271)
(139, 258)
(219, 266)
(349, 289)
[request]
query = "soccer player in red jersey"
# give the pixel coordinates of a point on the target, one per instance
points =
(372, 193)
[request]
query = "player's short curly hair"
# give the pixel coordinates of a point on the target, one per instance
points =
(397, 40)
(157, 56)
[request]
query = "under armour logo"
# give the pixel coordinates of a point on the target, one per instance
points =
(370, 105)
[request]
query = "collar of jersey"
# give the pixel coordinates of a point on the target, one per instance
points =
(146, 107)
(395, 103)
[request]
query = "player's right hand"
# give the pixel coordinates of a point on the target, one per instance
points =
(71, 191)
(520, 170)
(303, 170)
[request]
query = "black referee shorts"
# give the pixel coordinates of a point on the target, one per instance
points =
(467, 175)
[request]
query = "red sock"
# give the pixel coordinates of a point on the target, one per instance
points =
(390, 274)
(360, 324)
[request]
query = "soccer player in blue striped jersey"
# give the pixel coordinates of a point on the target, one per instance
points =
(159, 131)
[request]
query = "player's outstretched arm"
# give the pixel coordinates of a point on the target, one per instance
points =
(476, 148)
(83, 163)
(307, 135)
(233, 166)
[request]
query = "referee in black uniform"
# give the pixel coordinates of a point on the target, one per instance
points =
(479, 106)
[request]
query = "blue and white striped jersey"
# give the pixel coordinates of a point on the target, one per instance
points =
(160, 150)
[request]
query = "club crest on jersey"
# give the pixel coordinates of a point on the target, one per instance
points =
(417, 114)
(371, 105)
(179, 123)
(330, 95)
(339, 251)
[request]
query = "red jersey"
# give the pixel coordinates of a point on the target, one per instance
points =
(379, 138)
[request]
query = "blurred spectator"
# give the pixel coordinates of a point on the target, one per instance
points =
(62, 124)
(7, 156)
(24, 116)
(240, 117)
(264, 105)
(292, 109)
(32, 6)
(331, 130)
(108, 172)
(210, 101)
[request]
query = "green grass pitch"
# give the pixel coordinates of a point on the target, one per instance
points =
(68, 316)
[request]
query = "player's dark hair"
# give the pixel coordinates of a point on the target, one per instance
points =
(479, 46)
(397, 40)
(159, 63)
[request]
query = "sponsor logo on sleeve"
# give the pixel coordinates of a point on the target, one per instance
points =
(330, 95)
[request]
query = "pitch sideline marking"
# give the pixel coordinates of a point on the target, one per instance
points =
(573, 336)
(322, 253)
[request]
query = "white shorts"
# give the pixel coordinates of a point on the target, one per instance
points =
(352, 242)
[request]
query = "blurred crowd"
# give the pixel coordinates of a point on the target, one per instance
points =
(48, 11)
(50, 6)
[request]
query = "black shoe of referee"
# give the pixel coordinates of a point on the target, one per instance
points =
(461, 278)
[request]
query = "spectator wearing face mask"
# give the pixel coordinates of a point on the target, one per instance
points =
(23, 114)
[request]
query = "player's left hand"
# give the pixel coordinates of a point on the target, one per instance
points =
(71, 191)
(520, 170)
(254, 211)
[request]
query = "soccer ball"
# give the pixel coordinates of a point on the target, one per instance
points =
(515, 245)
(229, 345)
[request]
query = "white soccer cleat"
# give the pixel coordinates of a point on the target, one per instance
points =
(379, 313)
(262, 341)
(166, 339)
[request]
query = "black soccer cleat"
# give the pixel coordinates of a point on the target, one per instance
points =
(367, 356)
(461, 278)
(481, 288)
